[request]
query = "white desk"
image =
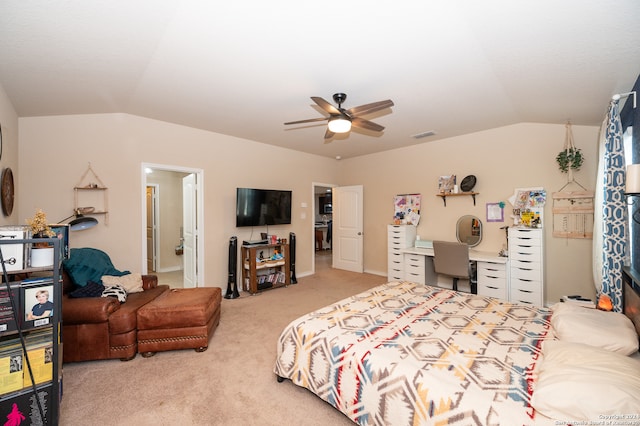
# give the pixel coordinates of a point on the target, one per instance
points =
(492, 271)
(477, 255)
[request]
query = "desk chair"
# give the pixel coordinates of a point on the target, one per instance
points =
(452, 259)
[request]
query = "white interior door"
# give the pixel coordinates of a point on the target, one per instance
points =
(347, 235)
(151, 228)
(189, 226)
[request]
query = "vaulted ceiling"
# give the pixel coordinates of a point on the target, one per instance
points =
(243, 68)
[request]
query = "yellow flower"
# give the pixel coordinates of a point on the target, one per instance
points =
(39, 226)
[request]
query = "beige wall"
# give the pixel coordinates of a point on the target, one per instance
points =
(55, 151)
(502, 159)
(9, 124)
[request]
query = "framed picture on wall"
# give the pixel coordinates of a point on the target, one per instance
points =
(495, 212)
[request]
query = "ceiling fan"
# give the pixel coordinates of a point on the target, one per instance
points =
(341, 120)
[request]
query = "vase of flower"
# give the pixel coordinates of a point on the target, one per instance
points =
(41, 253)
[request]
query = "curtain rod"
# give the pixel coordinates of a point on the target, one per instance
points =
(617, 97)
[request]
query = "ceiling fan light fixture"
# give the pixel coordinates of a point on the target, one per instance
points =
(339, 125)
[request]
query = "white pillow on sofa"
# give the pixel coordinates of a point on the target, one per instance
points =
(612, 331)
(582, 382)
(132, 283)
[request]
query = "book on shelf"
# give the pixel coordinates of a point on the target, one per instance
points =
(7, 317)
(37, 297)
(40, 353)
(11, 366)
(23, 407)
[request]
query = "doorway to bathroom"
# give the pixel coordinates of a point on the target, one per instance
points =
(322, 226)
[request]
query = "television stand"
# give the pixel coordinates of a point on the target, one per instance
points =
(258, 275)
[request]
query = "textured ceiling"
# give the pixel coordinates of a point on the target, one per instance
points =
(243, 68)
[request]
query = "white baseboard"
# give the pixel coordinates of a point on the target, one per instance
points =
(170, 269)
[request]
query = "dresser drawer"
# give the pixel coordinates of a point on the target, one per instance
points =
(496, 290)
(415, 276)
(532, 237)
(414, 268)
(528, 253)
(395, 257)
(487, 269)
(396, 246)
(404, 235)
(518, 283)
(527, 271)
(395, 275)
(526, 295)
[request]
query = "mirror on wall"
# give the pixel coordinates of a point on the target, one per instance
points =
(469, 230)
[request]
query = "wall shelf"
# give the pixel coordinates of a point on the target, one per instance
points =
(88, 191)
(458, 194)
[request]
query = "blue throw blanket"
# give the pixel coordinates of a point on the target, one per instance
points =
(89, 264)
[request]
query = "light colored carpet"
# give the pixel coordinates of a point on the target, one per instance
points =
(232, 383)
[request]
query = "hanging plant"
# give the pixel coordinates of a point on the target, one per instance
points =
(570, 158)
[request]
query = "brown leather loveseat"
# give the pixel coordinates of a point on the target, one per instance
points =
(101, 327)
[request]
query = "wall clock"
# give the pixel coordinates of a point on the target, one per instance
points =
(6, 191)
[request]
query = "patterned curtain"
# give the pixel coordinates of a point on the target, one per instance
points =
(612, 230)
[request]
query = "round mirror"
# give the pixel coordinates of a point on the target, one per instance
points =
(469, 230)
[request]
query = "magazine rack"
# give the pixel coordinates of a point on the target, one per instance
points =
(30, 340)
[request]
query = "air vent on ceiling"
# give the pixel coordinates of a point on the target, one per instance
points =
(424, 134)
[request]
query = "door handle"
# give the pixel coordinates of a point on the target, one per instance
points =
(359, 233)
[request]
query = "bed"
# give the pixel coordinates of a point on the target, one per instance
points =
(408, 354)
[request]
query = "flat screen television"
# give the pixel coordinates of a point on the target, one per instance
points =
(255, 207)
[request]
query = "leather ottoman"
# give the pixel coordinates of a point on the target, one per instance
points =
(179, 319)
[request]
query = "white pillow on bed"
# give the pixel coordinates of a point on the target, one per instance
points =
(612, 331)
(581, 382)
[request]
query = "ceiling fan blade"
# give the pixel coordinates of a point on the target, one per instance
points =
(369, 108)
(325, 105)
(328, 134)
(366, 124)
(311, 120)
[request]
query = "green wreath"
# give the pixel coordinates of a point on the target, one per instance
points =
(570, 158)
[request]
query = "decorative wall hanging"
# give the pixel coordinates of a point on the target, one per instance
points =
(7, 191)
(528, 206)
(573, 214)
(407, 209)
(495, 212)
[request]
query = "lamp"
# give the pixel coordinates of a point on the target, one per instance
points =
(632, 184)
(339, 125)
(81, 222)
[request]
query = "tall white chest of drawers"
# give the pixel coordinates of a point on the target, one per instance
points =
(399, 237)
(526, 263)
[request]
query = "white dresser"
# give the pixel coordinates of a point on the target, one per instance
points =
(493, 278)
(526, 264)
(399, 237)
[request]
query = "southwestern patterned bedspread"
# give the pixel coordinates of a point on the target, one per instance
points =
(408, 354)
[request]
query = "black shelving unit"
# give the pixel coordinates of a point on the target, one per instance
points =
(30, 404)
